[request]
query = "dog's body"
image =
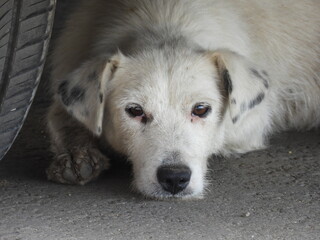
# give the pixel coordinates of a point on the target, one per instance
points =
(253, 65)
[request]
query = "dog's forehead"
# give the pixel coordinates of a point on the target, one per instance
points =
(171, 79)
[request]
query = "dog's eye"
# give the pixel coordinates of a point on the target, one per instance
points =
(201, 110)
(135, 111)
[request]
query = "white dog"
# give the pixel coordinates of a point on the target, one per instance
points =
(168, 83)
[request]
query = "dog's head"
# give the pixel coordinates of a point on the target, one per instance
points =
(166, 110)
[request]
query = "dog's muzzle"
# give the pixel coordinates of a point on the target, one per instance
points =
(174, 179)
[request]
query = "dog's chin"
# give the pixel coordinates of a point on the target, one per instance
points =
(155, 191)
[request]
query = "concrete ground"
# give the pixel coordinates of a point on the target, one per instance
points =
(269, 194)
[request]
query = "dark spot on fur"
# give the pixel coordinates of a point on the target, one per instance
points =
(256, 73)
(113, 68)
(225, 99)
(233, 101)
(266, 83)
(257, 100)
(66, 100)
(101, 97)
(265, 73)
(99, 130)
(243, 107)
(263, 78)
(235, 119)
(77, 94)
(63, 88)
(227, 81)
(63, 92)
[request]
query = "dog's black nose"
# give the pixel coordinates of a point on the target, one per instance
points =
(174, 179)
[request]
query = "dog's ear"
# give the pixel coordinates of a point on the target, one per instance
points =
(83, 91)
(244, 84)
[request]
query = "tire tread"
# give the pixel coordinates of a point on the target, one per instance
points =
(25, 29)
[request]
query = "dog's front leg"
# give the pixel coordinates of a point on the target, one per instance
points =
(77, 159)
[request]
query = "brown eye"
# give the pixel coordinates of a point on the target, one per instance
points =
(135, 111)
(201, 110)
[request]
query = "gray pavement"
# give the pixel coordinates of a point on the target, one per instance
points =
(268, 194)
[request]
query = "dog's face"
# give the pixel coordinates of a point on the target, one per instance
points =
(165, 111)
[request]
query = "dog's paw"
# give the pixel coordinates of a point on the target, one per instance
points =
(78, 166)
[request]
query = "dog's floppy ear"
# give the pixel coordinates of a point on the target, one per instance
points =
(244, 83)
(83, 91)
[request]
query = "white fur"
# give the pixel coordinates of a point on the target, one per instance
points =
(170, 55)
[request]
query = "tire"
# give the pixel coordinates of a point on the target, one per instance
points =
(25, 30)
